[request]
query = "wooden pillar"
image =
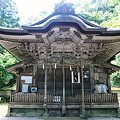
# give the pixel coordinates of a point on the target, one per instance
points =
(63, 83)
(63, 102)
(109, 85)
(45, 91)
(108, 81)
(18, 83)
(91, 77)
(54, 81)
(34, 75)
(45, 85)
(82, 80)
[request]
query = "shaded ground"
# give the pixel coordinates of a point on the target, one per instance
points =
(3, 109)
(56, 118)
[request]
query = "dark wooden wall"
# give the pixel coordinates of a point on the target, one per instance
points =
(55, 79)
(55, 82)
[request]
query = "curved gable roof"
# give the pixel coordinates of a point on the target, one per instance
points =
(65, 20)
(64, 15)
(17, 40)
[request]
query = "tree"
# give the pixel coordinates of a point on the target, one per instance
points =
(115, 79)
(1, 50)
(6, 78)
(33, 19)
(115, 21)
(8, 14)
(8, 18)
(6, 59)
(101, 12)
(116, 61)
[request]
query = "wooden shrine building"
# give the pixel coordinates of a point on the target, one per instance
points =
(62, 58)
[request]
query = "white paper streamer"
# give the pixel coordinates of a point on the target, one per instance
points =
(78, 77)
(55, 65)
(72, 76)
(43, 66)
(70, 68)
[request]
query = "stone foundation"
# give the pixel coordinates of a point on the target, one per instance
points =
(56, 110)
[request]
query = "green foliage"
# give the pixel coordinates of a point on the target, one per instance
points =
(105, 13)
(8, 18)
(113, 23)
(6, 78)
(115, 79)
(1, 50)
(6, 59)
(33, 19)
(8, 14)
(116, 61)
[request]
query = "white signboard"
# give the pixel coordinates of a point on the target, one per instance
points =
(28, 79)
(25, 88)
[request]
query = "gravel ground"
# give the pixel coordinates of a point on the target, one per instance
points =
(56, 118)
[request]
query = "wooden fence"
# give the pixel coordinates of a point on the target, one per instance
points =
(93, 98)
(36, 98)
(27, 98)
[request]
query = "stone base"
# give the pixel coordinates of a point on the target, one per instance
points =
(56, 110)
(27, 112)
(118, 115)
(102, 113)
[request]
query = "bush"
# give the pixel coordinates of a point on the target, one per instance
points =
(115, 79)
(6, 78)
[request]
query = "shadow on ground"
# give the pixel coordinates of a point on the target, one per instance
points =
(56, 118)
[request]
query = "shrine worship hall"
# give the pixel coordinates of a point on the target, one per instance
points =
(64, 66)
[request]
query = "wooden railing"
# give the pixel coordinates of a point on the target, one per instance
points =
(27, 98)
(36, 98)
(93, 98)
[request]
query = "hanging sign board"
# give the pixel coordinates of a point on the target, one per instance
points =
(75, 77)
(28, 79)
